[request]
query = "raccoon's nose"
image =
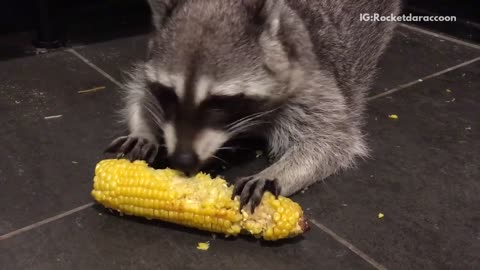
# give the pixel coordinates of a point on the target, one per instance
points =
(185, 161)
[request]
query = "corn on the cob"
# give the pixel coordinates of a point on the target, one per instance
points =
(199, 202)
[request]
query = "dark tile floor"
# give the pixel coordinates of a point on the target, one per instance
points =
(423, 175)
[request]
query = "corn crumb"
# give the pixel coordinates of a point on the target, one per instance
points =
(393, 116)
(52, 117)
(203, 245)
(380, 215)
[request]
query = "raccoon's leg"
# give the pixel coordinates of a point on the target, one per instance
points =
(141, 143)
(300, 166)
(311, 140)
(136, 146)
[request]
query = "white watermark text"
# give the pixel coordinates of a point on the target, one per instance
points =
(375, 17)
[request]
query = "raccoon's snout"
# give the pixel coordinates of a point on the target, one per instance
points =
(185, 161)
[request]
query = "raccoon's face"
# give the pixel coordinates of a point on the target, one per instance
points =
(206, 71)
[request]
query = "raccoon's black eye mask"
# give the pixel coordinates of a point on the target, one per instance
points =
(214, 111)
(165, 96)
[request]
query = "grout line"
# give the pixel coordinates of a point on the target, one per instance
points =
(347, 244)
(439, 35)
(45, 221)
(436, 74)
(92, 65)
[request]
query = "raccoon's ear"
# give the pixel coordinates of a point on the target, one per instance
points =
(264, 11)
(285, 42)
(161, 10)
(255, 7)
(274, 14)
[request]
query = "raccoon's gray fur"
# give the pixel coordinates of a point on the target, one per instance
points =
(299, 68)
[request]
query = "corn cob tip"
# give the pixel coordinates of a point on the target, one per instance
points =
(303, 223)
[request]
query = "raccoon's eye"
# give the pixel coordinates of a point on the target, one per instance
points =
(228, 109)
(165, 96)
(215, 117)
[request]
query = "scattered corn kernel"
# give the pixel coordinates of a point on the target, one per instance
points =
(393, 116)
(203, 246)
(380, 215)
(200, 202)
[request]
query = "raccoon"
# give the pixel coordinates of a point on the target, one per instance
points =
(294, 71)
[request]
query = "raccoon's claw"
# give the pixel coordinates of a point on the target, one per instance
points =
(134, 148)
(251, 190)
(120, 146)
(144, 151)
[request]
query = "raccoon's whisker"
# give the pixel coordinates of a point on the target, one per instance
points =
(156, 106)
(238, 148)
(156, 118)
(222, 160)
(242, 123)
(245, 127)
(247, 119)
(227, 148)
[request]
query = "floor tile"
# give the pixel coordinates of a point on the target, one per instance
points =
(118, 56)
(413, 55)
(48, 164)
(94, 239)
(423, 176)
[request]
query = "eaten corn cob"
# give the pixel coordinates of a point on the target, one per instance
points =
(133, 188)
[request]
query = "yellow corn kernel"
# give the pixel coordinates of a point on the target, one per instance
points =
(200, 202)
(203, 246)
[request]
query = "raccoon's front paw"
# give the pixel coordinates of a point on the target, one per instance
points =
(134, 148)
(251, 190)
